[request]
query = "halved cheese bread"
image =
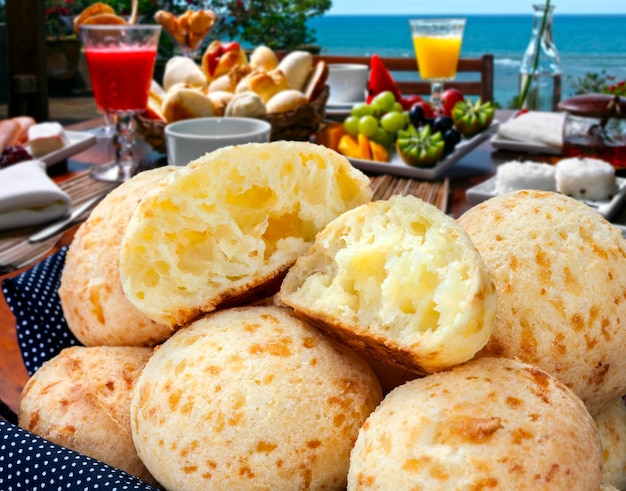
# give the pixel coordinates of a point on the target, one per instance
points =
(398, 280)
(230, 224)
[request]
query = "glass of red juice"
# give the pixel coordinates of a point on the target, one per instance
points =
(121, 62)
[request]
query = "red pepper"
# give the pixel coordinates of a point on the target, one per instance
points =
(213, 57)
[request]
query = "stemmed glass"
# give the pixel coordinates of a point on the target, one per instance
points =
(121, 62)
(189, 30)
(437, 44)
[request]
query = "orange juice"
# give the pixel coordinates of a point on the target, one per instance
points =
(437, 57)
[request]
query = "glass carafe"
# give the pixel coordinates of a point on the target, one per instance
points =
(541, 63)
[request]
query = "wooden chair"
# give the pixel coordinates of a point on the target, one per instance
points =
(406, 75)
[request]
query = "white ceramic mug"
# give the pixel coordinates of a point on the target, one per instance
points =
(189, 139)
(348, 82)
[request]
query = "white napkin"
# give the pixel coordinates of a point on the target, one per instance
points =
(29, 197)
(535, 127)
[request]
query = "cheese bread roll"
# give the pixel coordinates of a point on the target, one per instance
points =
(491, 423)
(251, 398)
(231, 223)
(399, 280)
(94, 304)
(611, 423)
(80, 399)
(560, 272)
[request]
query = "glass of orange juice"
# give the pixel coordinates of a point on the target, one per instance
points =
(437, 44)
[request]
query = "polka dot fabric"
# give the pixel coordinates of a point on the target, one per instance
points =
(28, 462)
(32, 297)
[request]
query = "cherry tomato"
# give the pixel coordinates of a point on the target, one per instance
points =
(448, 99)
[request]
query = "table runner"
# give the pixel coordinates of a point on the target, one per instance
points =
(16, 252)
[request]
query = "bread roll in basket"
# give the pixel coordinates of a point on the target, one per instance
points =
(298, 124)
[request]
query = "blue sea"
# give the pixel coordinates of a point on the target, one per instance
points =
(585, 43)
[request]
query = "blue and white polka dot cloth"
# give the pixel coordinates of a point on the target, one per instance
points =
(27, 461)
(32, 297)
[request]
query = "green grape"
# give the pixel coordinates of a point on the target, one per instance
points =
(383, 137)
(351, 125)
(368, 125)
(397, 108)
(361, 109)
(383, 101)
(392, 122)
(406, 117)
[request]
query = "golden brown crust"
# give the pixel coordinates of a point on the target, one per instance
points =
(80, 399)
(94, 305)
(558, 266)
(487, 424)
(279, 402)
(316, 81)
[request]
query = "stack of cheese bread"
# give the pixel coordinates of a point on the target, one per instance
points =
(228, 83)
(310, 338)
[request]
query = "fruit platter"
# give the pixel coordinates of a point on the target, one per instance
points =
(416, 140)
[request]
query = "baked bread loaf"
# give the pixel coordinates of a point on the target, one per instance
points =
(80, 399)
(265, 84)
(399, 280)
(611, 422)
(316, 81)
(180, 69)
(297, 66)
(560, 273)
(187, 103)
(263, 58)
(286, 100)
(251, 398)
(94, 305)
(231, 223)
(246, 104)
(219, 58)
(488, 424)
(220, 100)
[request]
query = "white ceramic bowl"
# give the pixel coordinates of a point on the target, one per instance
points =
(191, 138)
(348, 82)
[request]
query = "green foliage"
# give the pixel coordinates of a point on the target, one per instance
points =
(597, 83)
(591, 82)
(279, 24)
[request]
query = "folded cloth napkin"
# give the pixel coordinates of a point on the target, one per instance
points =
(535, 127)
(29, 197)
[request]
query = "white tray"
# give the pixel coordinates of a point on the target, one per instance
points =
(78, 141)
(396, 165)
(487, 190)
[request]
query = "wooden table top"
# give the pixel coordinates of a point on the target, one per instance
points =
(472, 169)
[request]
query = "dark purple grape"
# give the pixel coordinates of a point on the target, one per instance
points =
(442, 124)
(416, 115)
(451, 138)
(13, 155)
(452, 135)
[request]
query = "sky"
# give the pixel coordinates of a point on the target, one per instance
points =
(451, 7)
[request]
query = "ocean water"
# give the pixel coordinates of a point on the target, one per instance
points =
(585, 43)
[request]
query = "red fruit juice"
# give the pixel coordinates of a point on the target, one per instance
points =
(121, 77)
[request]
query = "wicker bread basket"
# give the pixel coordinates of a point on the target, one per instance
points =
(298, 124)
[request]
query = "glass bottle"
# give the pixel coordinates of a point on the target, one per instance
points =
(544, 90)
